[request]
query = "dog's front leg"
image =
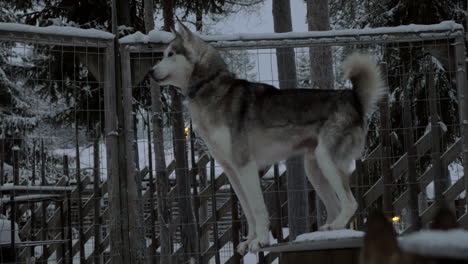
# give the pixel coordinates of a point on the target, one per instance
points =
(234, 179)
(248, 178)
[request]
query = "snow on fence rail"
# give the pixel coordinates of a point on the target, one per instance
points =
(63, 36)
(157, 40)
(85, 205)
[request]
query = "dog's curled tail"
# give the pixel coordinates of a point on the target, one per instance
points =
(366, 79)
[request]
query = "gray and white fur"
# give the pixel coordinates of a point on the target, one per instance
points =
(248, 126)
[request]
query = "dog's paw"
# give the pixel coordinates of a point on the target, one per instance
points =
(329, 227)
(242, 247)
(257, 244)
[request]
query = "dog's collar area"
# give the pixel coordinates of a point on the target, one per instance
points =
(193, 90)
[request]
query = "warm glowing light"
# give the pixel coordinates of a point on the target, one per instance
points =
(186, 130)
(395, 218)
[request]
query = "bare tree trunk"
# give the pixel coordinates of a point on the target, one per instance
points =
(321, 68)
(321, 60)
(162, 180)
(189, 232)
(298, 203)
(123, 12)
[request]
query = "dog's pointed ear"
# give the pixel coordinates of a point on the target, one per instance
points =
(444, 219)
(175, 32)
(184, 31)
(380, 242)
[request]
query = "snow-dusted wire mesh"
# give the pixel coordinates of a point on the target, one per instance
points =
(51, 140)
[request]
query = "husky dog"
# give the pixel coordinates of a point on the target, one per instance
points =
(248, 126)
(382, 247)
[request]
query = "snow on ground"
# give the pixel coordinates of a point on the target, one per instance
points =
(436, 243)
(56, 30)
(87, 159)
(330, 235)
(5, 231)
(456, 172)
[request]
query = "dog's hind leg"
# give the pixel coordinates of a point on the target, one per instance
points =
(248, 178)
(339, 181)
(322, 186)
(234, 179)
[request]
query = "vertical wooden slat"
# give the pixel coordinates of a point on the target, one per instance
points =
(440, 180)
(2, 158)
(279, 210)
(412, 183)
(32, 206)
(358, 180)
(213, 210)
(462, 91)
(153, 216)
(97, 200)
(235, 225)
(13, 216)
(79, 205)
(69, 236)
(44, 230)
(384, 132)
(194, 182)
(61, 252)
(162, 180)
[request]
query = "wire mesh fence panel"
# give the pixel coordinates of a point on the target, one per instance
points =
(53, 155)
(414, 141)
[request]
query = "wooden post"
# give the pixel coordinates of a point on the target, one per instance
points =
(66, 172)
(44, 205)
(440, 179)
(214, 211)
(162, 180)
(358, 180)
(279, 209)
(412, 183)
(203, 206)
(235, 226)
(135, 202)
(462, 91)
(13, 215)
(80, 191)
(385, 125)
(117, 170)
(32, 206)
(61, 251)
(2, 158)
(97, 200)
(153, 216)
(196, 198)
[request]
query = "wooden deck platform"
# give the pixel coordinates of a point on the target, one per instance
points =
(329, 250)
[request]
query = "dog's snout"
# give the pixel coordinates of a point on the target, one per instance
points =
(152, 73)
